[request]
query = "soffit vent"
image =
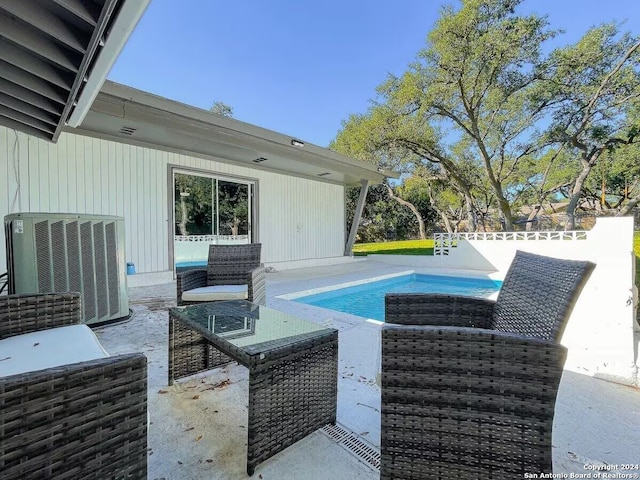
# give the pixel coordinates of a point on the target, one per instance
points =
(128, 130)
(324, 174)
(260, 160)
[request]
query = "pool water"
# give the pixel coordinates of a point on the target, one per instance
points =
(191, 264)
(367, 300)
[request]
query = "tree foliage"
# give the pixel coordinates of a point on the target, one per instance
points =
(233, 208)
(594, 87)
(194, 204)
(489, 123)
(383, 218)
(221, 108)
(363, 137)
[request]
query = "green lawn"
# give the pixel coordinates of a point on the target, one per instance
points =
(403, 247)
(425, 247)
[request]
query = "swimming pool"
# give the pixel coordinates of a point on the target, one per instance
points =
(367, 299)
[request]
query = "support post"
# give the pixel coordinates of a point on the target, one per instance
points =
(364, 188)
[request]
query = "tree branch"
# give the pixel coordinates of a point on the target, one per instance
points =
(626, 210)
(604, 83)
(412, 207)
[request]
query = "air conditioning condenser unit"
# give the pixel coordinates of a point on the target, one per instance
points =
(56, 252)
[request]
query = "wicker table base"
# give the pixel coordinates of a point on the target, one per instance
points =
(292, 379)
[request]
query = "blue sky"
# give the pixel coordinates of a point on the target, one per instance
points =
(301, 68)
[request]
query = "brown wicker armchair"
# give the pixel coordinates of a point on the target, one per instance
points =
(233, 272)
(469, 385)
(80, 420)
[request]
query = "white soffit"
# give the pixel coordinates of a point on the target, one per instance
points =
(129, 115)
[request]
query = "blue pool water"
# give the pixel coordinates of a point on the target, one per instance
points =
(191, 264)
(367, 300)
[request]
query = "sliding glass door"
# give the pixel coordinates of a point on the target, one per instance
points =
(209, 209)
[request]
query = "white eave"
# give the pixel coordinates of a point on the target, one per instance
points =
(54, 57)
(132, 116)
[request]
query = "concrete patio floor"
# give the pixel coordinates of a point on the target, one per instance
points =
(198, 426)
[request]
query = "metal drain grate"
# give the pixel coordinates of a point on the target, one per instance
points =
(335, 432)
(354, 444)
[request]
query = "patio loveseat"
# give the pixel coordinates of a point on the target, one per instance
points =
(469, 385)
(67, 408)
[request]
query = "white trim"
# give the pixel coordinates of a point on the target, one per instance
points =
(123, 26)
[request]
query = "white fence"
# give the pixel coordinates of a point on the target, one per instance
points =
(195, 248)
(444, 241)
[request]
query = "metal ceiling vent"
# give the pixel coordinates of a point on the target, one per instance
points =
(128, 130)
(260, 160)
(323, 174)
(47, 49)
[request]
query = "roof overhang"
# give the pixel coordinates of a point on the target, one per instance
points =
(55, 56)
(132, 116)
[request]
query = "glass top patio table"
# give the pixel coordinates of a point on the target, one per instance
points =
(246, 329)
(293, 367)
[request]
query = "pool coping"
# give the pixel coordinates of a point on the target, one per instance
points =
(364, 281)
(338, 286)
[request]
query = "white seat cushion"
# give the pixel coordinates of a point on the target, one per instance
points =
(215, 293)
(49, 348)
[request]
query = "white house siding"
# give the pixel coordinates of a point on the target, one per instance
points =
(298, 218)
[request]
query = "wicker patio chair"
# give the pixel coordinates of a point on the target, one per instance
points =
(233, 272)
(469, 385)
(80, 420)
